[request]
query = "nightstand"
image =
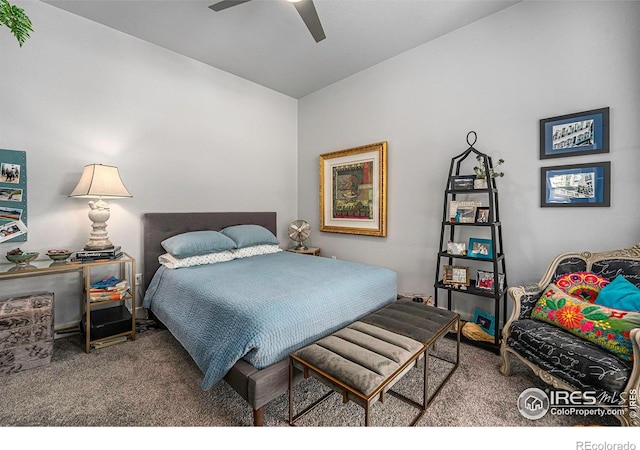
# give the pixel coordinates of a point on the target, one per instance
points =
(315, 251)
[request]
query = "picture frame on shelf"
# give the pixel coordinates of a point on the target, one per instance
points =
(353, 190)
(457, 248)
(466, 214)
(482, 214)
(455, 205)
(576, 185)
(485, 321)
(581, 133)
(480, 248)
(462, 182)
(456, 276)
(485, 280)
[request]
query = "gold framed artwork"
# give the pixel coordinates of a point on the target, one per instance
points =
(353, 190)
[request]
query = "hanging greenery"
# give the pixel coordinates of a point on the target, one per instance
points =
(16, 20)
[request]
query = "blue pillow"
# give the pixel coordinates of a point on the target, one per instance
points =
(620, 294)
(196, 243)
(250, 235)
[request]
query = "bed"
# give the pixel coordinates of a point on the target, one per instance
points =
(240, 319)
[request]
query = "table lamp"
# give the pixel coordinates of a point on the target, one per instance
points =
(101, 182)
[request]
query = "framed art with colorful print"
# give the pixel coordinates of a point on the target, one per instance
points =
(353, 197)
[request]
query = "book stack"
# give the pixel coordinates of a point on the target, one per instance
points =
(97, 255)
(110, 288)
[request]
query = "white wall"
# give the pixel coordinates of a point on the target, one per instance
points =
(185, 136)
(498, 77)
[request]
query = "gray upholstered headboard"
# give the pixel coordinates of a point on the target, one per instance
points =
(159, 226)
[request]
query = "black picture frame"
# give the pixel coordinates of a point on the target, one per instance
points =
(581, 133)
(462, 182)
(577, 185)
(482, 214)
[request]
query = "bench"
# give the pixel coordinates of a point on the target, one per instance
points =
(365, 359)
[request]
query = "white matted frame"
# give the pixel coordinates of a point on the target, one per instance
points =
(353, 190)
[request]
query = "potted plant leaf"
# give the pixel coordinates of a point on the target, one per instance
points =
(16, 20)
(481, 176)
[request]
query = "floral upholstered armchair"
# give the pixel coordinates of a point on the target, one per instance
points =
(578, 329)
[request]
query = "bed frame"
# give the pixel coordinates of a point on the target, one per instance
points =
(257, 387)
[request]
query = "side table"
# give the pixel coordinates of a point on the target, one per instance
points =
(124, 266)
(315, 251)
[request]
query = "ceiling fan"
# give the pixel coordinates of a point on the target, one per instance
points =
(305, 8)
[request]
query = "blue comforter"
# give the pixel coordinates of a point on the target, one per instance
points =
(264, 307)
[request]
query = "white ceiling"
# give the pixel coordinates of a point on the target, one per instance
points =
(267, 42)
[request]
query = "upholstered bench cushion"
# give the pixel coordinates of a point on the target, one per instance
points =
(361, 355)
(26, 331)
(578, 362)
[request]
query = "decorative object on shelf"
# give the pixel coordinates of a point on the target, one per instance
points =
(463, 211)
(13, 195)
(480, 181)
(485, 280)
(59, 254)
(457, 248)
(482, 214)
(484, 320)
(474, 332)
(101, 182)
(353, 185)
(21, 258)
(576, 185)
(456, 276)
(299, 231)
(480, 248)
(462, 182)
(466, 214)
(16, 20)
(582, 133)
(97, 255)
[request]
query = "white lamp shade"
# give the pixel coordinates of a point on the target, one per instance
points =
(100, 181)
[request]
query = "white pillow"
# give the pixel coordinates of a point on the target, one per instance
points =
(255, 250)
(171, 262)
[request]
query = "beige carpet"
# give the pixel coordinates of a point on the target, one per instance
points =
(153, 382)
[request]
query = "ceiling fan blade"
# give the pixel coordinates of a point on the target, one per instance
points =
(307, 11)
(224, 4)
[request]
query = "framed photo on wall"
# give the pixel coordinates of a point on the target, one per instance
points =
(353, 184)
(13, 196)
(581, 133)
(576, 185)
